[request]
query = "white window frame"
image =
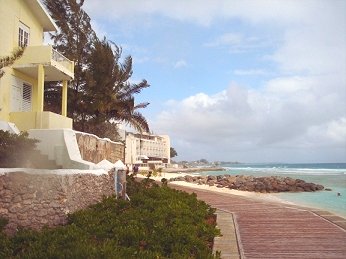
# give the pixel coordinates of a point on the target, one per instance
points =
(23, 35)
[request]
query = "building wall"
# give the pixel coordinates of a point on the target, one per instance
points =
(36, 64)
(95, 149)
(11, 14)
(153, 146)
(39, 198)
(130, 149)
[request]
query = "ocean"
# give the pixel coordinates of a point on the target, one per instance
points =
(330, 175)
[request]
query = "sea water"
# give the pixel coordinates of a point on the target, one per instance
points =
(332, 176)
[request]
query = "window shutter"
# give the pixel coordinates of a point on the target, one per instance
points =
(27, 94)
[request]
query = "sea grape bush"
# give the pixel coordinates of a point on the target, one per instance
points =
(158, 222)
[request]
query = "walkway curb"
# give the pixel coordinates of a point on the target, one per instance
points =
(227, 243)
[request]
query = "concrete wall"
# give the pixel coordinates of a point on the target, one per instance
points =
(37, 198)
(60, 145)
(95, 149)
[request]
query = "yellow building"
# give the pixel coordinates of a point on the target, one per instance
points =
(22, 24)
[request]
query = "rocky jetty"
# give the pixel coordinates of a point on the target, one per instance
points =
(268, 184)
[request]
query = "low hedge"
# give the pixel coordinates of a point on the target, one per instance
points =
(158, 222)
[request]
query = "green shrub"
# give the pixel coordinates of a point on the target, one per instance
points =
(5, 243)
(158, 222)
(15, 149)
(3, 223)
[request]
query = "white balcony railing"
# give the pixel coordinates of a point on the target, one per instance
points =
(58, 57)
(57, 66)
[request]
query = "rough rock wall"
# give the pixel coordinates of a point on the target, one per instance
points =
(94, 149)
(36, 200)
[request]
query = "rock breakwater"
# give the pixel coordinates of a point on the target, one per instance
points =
(270, 184)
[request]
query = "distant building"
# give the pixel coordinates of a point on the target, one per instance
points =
(148, 151)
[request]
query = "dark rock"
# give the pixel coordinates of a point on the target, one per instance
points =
(211, 182)
(211, 178)
(258, 184)
(319, 187)
(188, 178)
(299, 189)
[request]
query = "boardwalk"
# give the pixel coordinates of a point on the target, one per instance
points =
(271, 230)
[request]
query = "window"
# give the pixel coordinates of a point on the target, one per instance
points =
(23, 35)
(21, 96)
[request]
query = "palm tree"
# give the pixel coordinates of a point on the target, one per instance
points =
(109, 95)
(101, 93)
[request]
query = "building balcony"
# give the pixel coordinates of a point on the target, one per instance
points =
(56, 66)
(40, 120)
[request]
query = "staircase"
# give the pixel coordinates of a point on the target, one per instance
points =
(40, 161)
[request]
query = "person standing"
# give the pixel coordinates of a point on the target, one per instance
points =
(135, 170)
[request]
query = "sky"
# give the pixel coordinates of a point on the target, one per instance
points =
(248, 81)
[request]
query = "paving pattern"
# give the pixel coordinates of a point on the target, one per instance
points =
(272, 230)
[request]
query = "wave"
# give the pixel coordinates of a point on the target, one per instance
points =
(285, 170)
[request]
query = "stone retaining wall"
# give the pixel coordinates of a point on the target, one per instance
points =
(94, 149)
(37, 199)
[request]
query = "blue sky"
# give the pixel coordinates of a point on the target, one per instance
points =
(249, 81)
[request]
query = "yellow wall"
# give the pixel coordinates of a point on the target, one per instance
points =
(12, 12)
(35, 60)
(40, 120)
(5, 91)
(4, 95)
(23, 121)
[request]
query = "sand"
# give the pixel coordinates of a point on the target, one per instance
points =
(253, 195)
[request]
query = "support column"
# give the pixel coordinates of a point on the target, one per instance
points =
(64, 99)
(40, 88)
(40, 96)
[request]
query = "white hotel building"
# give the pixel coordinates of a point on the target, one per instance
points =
(147, 151)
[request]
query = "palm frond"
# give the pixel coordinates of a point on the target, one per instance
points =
(133, 89)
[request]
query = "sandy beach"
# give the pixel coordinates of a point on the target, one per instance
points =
(253, 195)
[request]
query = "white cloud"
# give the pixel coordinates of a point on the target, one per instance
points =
(180, 63)
(238, 43)
(336, 130)
(250, 72)
(226, 39)
(274, 117)
(202, 13)
(318, 44)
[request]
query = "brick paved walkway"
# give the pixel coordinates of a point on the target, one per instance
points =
(259, 229)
